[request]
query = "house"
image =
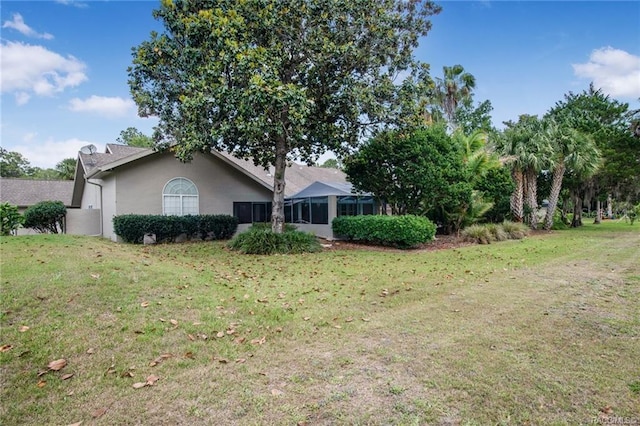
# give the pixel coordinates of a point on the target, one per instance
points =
(24, 193)
(129, 180)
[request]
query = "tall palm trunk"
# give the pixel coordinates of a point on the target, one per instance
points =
(531, 195)
(517, 197)
(556, 186)
(598, 219)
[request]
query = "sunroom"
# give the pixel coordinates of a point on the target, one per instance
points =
(314, 208)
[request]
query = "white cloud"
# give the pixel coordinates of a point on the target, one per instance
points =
(26, 68)
(46, 154)
(74, 3)
(22, 98)
(18, 24)
(614, 71)
(105, 106)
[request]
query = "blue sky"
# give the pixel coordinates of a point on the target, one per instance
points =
(64, 63)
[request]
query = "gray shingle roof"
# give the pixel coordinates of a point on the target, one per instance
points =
(27, 192)
(297, 176)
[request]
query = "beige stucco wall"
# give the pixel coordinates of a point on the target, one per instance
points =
(83, 221)
(137, 188)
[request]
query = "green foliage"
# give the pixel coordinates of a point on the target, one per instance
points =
(496, 186)
(420, 172)
(486, 234)
(478, 234)
(46, 217)
(134, 137)
(133, 227)
(13, 164)
(10, 219)
(515, 230)
(404, 231)
(262, 240)
(272, 79)
(633, 213)
(66, 168)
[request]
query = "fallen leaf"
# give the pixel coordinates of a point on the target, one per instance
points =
(127, 373)
(174, 322)
(139, 385)
(190, 336)
(144, 304)
(57, 365)
(197, 323)
(276, 392)
(23, 329)
(607, 410)
(259, 341)
(189, 355)
(5, 348)
(223, 360)
(152, 379)
(41, 383)
(91, 351)
(67, 376)
(95, 276)
(366, 319)
(306, 318)
(348, 319)
(241, 361)
(220, 334)
(239, 340)
(99, 412)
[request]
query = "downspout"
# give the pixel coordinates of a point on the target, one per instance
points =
(101, 209)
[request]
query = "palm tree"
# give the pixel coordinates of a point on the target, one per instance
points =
(454, 87)
(527, 152)
(573, 150)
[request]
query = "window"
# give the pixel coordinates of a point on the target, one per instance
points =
(307, 210)
(248, 212)
(352, 206)
(180, 198)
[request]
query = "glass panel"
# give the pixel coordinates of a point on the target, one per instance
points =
(172, 205)
(243, 212)
(190, 205)
(320, 210)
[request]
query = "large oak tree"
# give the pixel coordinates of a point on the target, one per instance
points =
(275, 80)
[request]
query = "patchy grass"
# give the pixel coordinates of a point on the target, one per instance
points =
(543, 330)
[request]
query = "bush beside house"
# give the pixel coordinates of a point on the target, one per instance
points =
(132, 228)
(405, 231)
(46, 217)
(10, 219)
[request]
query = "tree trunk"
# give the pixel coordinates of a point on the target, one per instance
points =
(517, 199)
(277, 210)
(556, 186)
(531, 179)
(598, 219)
(577, 212)
(609, 207)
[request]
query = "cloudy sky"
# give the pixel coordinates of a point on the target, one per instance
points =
(64, 63)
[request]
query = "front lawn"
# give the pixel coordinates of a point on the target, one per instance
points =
(544, 330)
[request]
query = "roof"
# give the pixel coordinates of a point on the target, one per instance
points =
(323, 189)
(297, 176)
(27, 192)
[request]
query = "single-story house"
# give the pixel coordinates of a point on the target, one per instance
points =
(131, 180)
(24, 193)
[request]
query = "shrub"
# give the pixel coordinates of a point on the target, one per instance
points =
(477, 234)
(10, 219)
(260, 239)
(133, 227)
(46, 216)
(497, 232)
(516, 231)
(398, 231)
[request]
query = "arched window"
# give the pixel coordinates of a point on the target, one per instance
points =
(180, 197)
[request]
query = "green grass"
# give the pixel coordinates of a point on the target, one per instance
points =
(542, 330)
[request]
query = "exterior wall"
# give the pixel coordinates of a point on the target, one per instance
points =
(137, 188)
(83, 221)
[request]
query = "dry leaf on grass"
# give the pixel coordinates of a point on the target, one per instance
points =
(152, 379)
(144, 304)
(276, 392)
(91, 351)
(99, 412)
(174, 322)
(139, 385)
(41, 383)
(67, 376)
(57, 365)
(5, 348)
(23, 328)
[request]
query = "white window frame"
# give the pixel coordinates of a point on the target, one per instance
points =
(181, 197)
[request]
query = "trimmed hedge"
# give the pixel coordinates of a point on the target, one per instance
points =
(133, 227)
(46, 217)
(405, 231)
(259, 239)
